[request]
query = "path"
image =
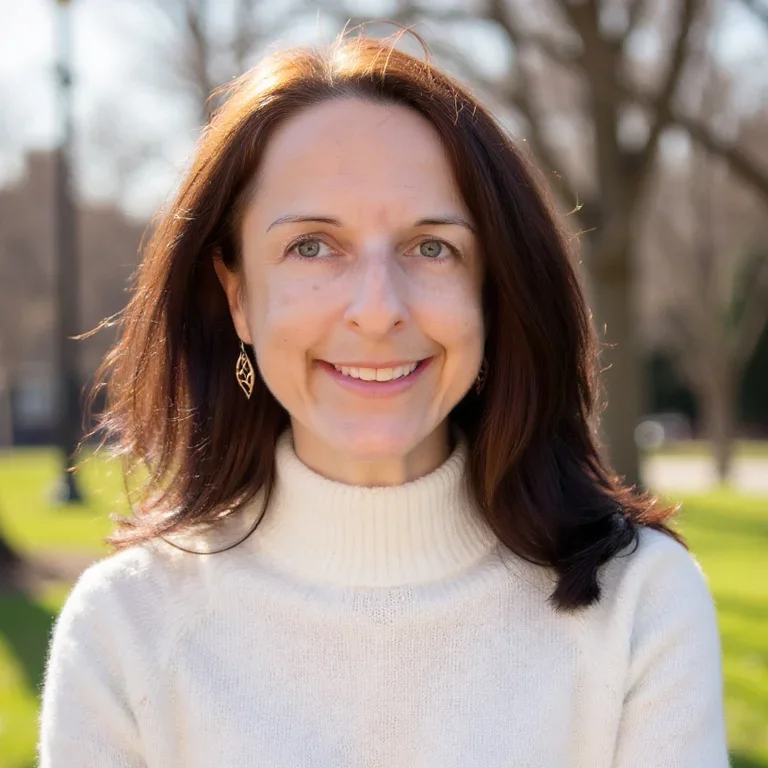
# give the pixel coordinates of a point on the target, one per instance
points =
(697, 474)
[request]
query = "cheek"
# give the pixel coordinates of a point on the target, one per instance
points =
(452, 314)
(289, 316)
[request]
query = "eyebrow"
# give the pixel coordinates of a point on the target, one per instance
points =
(432, 221)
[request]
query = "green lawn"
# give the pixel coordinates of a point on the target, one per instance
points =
(743, 449)
(727, 533)
(33, 524)
(729, 536)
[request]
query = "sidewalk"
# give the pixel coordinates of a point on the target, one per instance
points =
(697, 474)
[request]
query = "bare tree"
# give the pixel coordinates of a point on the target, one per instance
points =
(183, 50)
(198, 45)
(706, 241)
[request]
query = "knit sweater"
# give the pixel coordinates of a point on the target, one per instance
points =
(380, 627)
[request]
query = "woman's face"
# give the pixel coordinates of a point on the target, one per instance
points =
(365, 315)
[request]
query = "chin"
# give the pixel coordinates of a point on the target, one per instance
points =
(375, 442)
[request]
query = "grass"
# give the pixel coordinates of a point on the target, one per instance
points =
(33, 523)
(746, 449)
(25, 625)
(727, 533)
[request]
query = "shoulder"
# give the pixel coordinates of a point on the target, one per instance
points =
(143, 570)
(655, 557)
(162, 580)
(143, 591)
(656, 580)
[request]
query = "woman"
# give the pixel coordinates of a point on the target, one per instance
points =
(375, 529)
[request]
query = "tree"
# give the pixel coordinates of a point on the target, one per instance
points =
(183, 50)
(197, 45)
(706, 241)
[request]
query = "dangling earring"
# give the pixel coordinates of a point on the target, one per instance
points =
(481, 376)
(244, 372)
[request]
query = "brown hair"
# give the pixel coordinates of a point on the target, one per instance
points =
(173, 402)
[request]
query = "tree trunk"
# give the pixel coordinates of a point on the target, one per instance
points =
(613, 303)
(718, 401)
(6, 418)
(10, 564)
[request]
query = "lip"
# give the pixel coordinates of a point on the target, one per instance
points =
(376, 388)
(394, 364)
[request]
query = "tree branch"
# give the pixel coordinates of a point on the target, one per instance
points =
(738, 160)
(759, 10)
(634, 12)
(622, 174)
(406, 13)
(665, 97)
(585, 18)
(244, 34)
(196, 63)
(520, 96)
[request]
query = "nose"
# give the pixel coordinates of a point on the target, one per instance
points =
(377, 305)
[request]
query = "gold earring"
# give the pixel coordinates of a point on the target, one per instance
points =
(244, 372)
(481, 376)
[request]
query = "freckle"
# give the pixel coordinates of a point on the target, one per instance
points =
(315, 287)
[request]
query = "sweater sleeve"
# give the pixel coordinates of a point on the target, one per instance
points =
(673, 714)
(85, 717)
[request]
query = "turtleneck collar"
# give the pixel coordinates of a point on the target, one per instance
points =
(347, 535)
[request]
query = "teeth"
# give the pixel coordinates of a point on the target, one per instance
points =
(377, 374)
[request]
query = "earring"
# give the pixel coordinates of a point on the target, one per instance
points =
(244, 372)
(481, 376)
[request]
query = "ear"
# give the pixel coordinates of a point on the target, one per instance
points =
(234, 288)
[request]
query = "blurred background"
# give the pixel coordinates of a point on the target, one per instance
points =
(648, 120)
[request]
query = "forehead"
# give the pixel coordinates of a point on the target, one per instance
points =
(356, 153)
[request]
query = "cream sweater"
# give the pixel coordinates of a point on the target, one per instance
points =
(380, 627)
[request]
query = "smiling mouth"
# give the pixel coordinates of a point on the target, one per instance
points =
(379, 374)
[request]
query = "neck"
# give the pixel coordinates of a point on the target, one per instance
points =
(364, 467)
(322, 530)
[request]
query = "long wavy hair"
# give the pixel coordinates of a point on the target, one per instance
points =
(174, 408)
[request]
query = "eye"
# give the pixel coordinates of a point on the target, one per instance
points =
(306, 247)
(309, 247)
(436, 250)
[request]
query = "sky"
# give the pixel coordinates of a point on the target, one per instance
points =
(109, 54)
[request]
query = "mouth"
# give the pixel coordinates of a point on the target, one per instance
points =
(383, 380)
(384, 373)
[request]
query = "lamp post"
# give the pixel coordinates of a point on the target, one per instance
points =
(67, 369)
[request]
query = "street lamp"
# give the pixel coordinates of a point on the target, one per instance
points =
(67, 349)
